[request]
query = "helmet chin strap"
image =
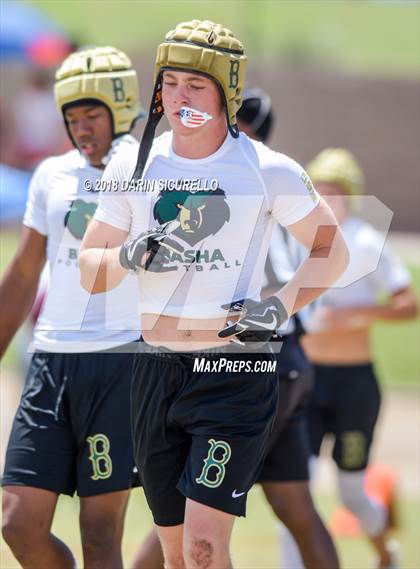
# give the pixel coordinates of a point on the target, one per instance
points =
(156, 112)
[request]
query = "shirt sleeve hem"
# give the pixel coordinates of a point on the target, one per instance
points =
(298, 216)
(35, 227)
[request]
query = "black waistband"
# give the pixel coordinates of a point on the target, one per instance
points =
(229, 350)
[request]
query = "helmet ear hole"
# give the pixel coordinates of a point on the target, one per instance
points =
(104, 75)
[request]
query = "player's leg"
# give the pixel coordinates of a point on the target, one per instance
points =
(161, 450)
(171, 539)
(150, 554)
(292, 503)
(39, 466)
(285, 483)
(101, 527)
(226, 454)
(371, 514)
(26, 527)
(99, 403)
(285, 474)
(207, 533)
(357, 409)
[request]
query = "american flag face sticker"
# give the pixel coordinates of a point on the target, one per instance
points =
(193, 118)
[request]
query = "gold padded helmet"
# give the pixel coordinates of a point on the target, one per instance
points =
(337, 166)
(210, 49)
(103, 74)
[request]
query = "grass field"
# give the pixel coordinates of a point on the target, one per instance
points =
(374, 36)
(254, 541)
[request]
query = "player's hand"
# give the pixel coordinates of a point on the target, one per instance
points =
(152, 249)
(258, 323)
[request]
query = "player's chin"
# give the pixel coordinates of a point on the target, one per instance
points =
(179, 128)
(94, 158)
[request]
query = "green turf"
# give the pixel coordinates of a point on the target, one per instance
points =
(254, 542)
(374, 37)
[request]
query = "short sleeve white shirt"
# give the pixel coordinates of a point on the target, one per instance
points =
(62, 200)
(227, 205)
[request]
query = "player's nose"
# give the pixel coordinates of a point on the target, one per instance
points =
(181, 95)
(82, 128)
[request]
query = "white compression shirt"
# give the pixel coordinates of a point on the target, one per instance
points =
(226, 204)
(373, 271)
(60, 207)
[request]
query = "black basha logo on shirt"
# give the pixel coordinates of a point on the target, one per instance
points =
(200, 214)
(78, 217)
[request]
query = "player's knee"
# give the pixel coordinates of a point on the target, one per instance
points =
(355, 503)
(100, 537)
(352, 491)
(174, 560)
(15, 531)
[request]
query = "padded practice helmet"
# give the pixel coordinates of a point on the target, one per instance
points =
(212, 50)
(199, 47)
(337, 166)
(104, 75)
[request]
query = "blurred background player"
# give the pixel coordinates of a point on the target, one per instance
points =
(285, 476)
(346, 397)
(70, 433)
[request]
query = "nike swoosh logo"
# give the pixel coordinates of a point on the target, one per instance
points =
(268, 326)
(237, 494)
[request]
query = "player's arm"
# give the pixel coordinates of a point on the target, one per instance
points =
(100, 269)
(328, 258)
(401, 305)
(19, 284)
(319, 233)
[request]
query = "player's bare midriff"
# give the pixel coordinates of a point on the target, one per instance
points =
(183, 334)
(350, 347)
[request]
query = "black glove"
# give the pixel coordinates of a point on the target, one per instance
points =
(256, 327)
(159, 243)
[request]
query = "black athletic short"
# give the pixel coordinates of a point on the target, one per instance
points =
(289, 449)
(345, 402)
(72, 428)
(200, 434)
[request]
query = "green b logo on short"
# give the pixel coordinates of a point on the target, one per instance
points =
(214, 470)
(353, 449)
(99, 456)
